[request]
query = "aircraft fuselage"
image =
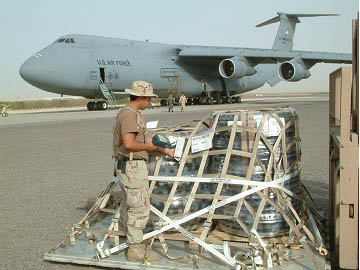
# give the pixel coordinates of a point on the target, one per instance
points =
(76, 68)
(77, 65)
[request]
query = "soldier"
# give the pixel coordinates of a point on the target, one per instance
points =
(170, 102)
(182, 102)
(132, 142)
(203, 85)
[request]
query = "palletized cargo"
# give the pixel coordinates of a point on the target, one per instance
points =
(236, 189)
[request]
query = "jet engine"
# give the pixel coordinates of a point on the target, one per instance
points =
(292, 71)
(235, 68)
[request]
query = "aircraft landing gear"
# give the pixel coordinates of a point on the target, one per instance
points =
(231, 100)
(91, 106)
(101, 105)
(208, 101)
(163, 102)
(218, 100)
(97, 106)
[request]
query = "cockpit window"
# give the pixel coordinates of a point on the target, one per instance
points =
(69, 40)
(65, 40)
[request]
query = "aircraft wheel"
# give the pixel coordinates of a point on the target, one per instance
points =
(103, 105)
(163, 102)
(189, 101)
(91, 106)
(202, 101)
(219, 100)
(196, 101)
(238, 99)
(97, 106)
(209, 101)
(228, 100)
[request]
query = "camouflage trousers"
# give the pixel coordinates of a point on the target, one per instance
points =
(182, 107)
(135, 202)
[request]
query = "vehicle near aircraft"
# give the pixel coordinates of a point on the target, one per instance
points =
(99, 68)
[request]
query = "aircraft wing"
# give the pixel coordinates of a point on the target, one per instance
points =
(261, 56)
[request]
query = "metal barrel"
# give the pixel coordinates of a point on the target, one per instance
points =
(271, 223)
(170, 167)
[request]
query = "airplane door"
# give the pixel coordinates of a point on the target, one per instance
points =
(102, 74)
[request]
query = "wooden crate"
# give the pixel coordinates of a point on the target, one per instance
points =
(344, 164)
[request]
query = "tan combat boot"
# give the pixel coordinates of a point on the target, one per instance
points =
(137, 252)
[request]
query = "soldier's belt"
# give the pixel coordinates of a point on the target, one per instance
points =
(125, 158)
(121, 163)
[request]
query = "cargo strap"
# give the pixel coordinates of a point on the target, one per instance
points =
(176, 224)
(267, 261)
(187, 259)
(273, 168)
(283, 203)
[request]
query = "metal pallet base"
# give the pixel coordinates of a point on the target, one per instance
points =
(83, 253)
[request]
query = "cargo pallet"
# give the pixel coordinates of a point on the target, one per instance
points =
(98, 238)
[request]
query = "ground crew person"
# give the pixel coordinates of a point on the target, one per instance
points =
(170, 102)
(203, 85)
(132, 142)
(182, 102)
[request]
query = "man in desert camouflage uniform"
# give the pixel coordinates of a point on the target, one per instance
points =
(182, 102)
(170, 102)
(132, 142)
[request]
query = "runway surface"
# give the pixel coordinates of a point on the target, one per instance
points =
(51, 161)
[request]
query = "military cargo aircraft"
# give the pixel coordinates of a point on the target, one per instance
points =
(99, 68)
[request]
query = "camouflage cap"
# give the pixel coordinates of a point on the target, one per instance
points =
(141, 89)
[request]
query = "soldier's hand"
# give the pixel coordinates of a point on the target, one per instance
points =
(152, 146)
(170, 152)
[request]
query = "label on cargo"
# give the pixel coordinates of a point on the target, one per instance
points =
(152, 124)
(179, 148)
(201, 143)
(230, 123)
(271, 126)
(173, 140)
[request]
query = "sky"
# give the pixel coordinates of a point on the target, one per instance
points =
(26, 27)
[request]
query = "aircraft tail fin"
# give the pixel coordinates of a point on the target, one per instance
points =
(286, 30)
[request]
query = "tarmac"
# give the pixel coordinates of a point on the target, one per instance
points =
(52, 161)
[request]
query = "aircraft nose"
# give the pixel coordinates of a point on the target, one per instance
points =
(39, 71)
(54, 69)
(31, 71)
(25, 71)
